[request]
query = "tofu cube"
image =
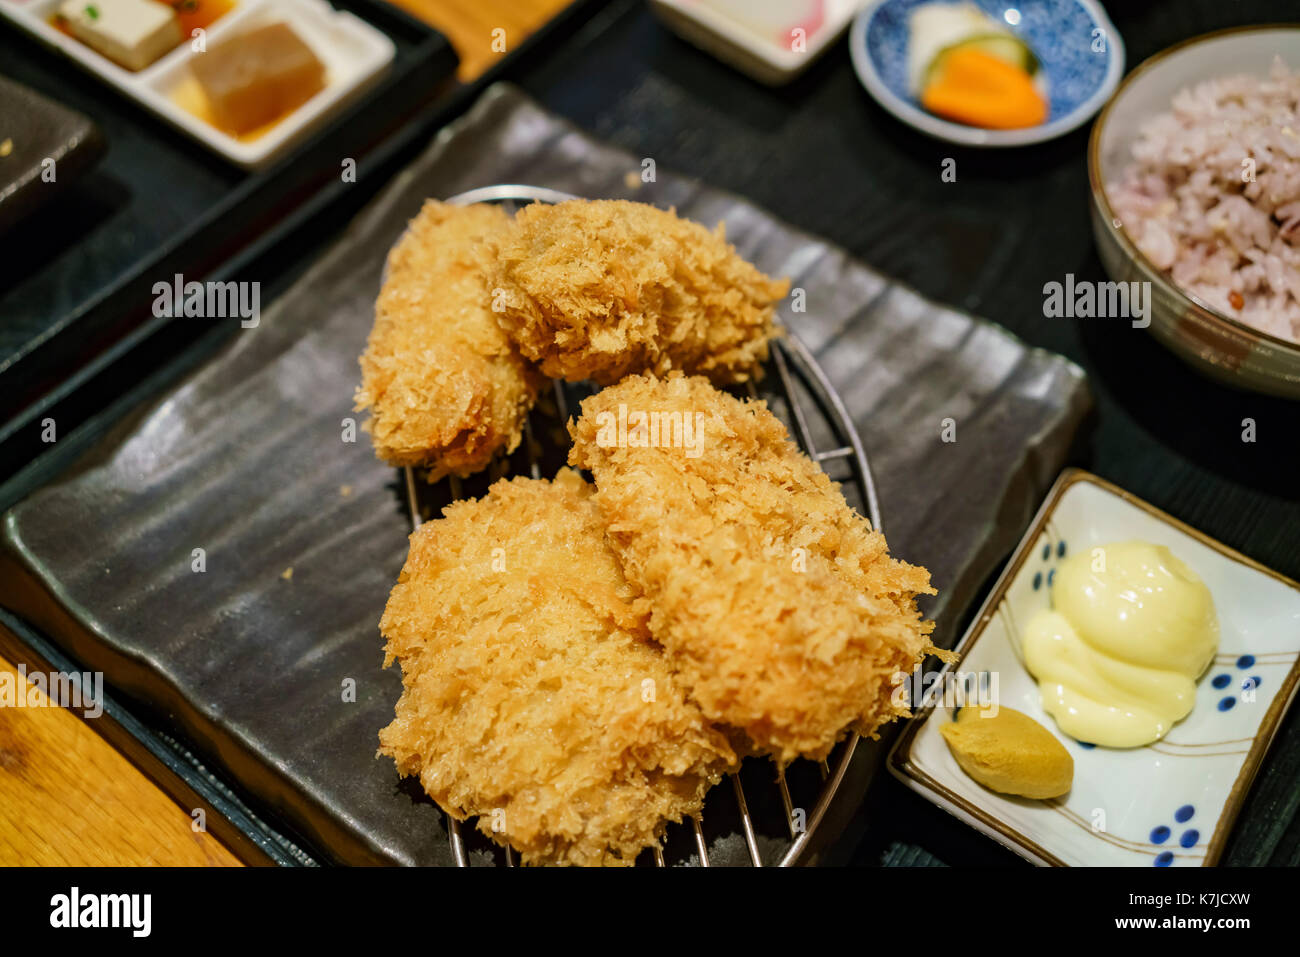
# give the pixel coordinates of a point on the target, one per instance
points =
(131, 33)
(258, 77)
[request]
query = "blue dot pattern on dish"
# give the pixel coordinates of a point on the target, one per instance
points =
(1162, 832)
(1221, 681)
(1227, 704)
(1245, 661)
(1039, 580)
(1085, 744)
(1249, 684)
(1060, 32)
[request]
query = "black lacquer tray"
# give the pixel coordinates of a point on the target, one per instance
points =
(76, 278)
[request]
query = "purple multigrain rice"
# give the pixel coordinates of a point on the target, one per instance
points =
(1212, 197)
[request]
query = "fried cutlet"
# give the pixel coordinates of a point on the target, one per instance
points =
(444, 386)
(598, 289)
(777, 604)
(533, 697)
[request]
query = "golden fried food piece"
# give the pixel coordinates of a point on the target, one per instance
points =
(595, 290)
(778, 605)
(444, 386)
(533, 696)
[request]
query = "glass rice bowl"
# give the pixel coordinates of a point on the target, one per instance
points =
(1224, 348)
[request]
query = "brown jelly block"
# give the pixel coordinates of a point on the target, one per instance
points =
(258, 76)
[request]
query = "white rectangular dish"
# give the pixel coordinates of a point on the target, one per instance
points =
(1173, 802)
(355, 55)
(771, 40)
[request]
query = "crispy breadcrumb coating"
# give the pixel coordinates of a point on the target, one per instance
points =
(526, 668)
(595, 290)
(444, 386)
(778, 605)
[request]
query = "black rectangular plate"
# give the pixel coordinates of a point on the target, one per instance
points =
(38, 131)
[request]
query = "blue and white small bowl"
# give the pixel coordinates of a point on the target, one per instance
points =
(1078, 48)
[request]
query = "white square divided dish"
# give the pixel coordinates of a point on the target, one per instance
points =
(1171, 803)
(354, 52)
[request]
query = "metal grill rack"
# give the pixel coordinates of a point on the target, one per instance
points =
(761, 827)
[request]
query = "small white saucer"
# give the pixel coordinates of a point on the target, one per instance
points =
(1173, 802)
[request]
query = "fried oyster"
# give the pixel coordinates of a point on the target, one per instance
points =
(533, 697)
(778, 605)
(598, 289)
(444, 386)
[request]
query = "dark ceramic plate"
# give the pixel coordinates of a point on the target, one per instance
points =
(249, 460)
(44, 146)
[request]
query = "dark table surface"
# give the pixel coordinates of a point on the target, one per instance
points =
(821, 154)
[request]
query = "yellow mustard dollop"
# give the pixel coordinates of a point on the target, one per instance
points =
(1117, 657)
(1009, 752)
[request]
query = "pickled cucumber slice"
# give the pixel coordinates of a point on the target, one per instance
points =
(1004, 46)
(936, 29)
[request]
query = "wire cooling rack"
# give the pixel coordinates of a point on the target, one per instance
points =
(765, 815)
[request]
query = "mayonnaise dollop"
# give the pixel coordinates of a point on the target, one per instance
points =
(1117, 657)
